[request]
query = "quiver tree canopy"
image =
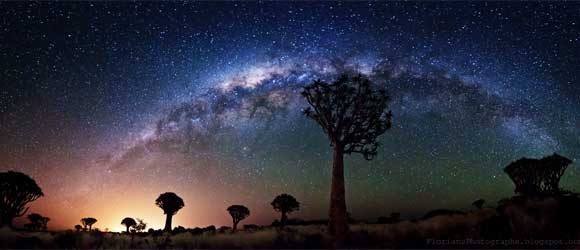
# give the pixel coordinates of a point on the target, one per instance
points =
(35, 221)
(170, 203)
(352, 111)
(534, 177)
(285, 204)
(238, 213)
(88, 222)
(128, 222)
(16, 191)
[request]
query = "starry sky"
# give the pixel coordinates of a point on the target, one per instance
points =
(109, 104)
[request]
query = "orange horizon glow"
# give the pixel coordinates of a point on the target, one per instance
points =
(110, 208)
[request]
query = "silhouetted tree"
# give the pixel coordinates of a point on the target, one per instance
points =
(251, 227)
(16, 190)
(170, 203)
(285, 204)
(178, 229)
(223, 229)
(210, 229)
(478, 203)
(78, 227)
(128, 222)
(395, 216)
(141, 225)
(44, 223)
(352, 112)
(89, 221)
(35, 221)
(534, 177)
(441, 212)
(238, 213)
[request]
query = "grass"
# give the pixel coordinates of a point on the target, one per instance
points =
(312, 236)
(520, 219)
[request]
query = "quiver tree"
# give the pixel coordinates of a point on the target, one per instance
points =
(170, 203)
(140, 226)
(88, 222)
(395, 217)
(78, 227)
(128, 222)
(285, 204)
(44, 223)
(35, 221)
(533, 177)
(38, 222)
(238, 213)
(352, 112)
(16, 191)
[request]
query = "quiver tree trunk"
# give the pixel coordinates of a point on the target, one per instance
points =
(283, 219)
(168, 223)
(337, 215)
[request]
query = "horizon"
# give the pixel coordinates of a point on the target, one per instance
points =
(107, 105)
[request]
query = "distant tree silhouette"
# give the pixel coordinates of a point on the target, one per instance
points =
(170, 203)
(16, 190)
(44, 223)
(211, 229)
(478, 203)
(35, 221)
(238, 213)
(141, 225)
(285, 204)
(395, 217)
(178, 229)
(128, 222)
(441, 212)
(352, 112)
(224, 229)
(78, 227)
(89, 221)
(251, 227)
(533, 177)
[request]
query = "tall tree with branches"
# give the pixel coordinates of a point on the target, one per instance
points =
(285, 204)
(35, 221)
(88, 222)
(238, 213)
(353, 112)
(16, 191)
(170, 203)
(141, 225)
(128, 222)
(44, 223)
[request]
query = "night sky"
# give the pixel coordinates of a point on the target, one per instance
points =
(107, 105)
